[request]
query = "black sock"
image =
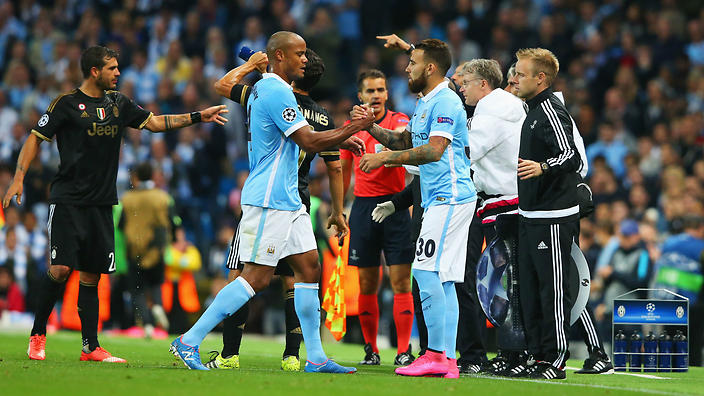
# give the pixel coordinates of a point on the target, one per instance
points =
(88, 312)
(293, 327)
(420, 320)
(233, 326)
(49, 292)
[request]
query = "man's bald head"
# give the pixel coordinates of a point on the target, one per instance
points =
(287, 55)
(281, 41)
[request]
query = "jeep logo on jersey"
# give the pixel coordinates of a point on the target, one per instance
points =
(103, 130)
(289, 114)
(101, 113)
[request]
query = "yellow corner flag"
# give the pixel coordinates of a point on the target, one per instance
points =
(334, 298)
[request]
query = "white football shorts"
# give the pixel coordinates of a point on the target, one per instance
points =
(442, 243)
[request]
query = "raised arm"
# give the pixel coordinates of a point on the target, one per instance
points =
(30, 148)
(258, 61)
(167, 122)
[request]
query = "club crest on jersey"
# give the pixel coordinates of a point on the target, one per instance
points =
(115, 112)
(81, 106)
(289, 114)
(101, 113)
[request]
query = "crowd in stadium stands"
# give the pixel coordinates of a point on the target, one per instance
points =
(632, 74)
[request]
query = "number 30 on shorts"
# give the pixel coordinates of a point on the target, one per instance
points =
(425, 247)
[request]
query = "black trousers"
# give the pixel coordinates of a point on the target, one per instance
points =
(544, 265)
(586, 325)
(471, 332)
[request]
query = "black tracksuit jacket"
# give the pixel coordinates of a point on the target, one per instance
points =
(546, 137)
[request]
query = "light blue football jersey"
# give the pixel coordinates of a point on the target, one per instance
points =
(272, 116)
(447, 181)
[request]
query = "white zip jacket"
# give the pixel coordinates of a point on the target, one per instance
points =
(494, 138)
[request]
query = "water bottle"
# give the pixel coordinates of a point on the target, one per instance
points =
(635, 350)
(650, 348)
(620, 346)
(245, 53)
(665, 349)
(681, 359)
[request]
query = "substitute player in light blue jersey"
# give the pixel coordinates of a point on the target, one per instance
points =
(274, 224)
(437, 141)
(446, 181)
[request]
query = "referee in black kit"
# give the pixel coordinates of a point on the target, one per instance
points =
(548, 213)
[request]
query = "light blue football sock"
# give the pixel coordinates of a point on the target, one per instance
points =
(452, 317)
(231, 298)
(307, 303)
(432, 299)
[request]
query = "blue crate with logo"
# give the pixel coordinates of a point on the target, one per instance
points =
(665, 351)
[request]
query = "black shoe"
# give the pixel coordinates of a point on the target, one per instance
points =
(545, 370)
(371, 358)
(523, 366)
(499, 365)
(597, 363)
(469, 368)
(403, 358)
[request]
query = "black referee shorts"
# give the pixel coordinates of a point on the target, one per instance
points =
(234, 263)
(368, 238)
(82, 237)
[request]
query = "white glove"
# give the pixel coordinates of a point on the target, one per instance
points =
(382, 211)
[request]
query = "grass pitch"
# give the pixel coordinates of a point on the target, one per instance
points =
(152, 370)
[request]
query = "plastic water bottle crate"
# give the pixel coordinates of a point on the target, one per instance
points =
(667, 351)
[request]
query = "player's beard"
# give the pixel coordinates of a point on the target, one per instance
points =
(104, 83)
(417, 85)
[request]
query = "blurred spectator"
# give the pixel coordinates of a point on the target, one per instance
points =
(14, 257)
(254, 37)
(11, 298)
(613, 150)
(176, 66)
(143, 77)
(182, 260)
(628, 268)
(146, 222)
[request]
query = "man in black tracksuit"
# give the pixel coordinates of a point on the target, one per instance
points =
(549, 213)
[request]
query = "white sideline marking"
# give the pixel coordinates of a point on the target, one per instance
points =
(625, 373)
(597, 386)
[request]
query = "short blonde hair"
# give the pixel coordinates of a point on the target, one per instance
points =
(486, 69)
(543, 61)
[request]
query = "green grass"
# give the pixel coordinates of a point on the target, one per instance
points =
(154, 371)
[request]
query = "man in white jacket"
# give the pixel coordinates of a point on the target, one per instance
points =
(494, 136)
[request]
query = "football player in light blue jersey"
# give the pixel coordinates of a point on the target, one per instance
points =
(274, 223)
(436, 140)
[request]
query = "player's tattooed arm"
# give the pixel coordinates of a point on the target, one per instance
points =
(430, 152)
(168, 122)
(392, 139)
